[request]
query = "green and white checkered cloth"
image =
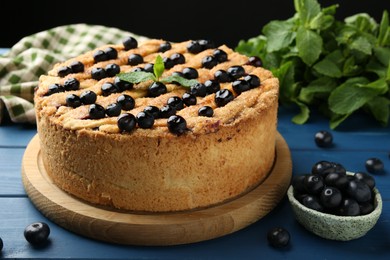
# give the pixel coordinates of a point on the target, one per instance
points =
(34, 55)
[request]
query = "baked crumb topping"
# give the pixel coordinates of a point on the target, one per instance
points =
(86, 93)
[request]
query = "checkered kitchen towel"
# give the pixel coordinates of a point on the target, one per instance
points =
(34, 55)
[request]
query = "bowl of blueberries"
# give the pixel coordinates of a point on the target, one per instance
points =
(334, 203)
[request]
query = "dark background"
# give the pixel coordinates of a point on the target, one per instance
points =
(225, 22)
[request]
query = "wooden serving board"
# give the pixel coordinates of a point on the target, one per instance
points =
(153, 229)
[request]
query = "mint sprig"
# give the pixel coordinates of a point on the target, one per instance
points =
(136, 77)
(339, 67)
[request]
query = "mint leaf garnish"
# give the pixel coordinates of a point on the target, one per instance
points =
(136, 76)
(158, 69)
(182, 81)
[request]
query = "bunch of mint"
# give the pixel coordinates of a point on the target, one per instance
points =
(339, 67)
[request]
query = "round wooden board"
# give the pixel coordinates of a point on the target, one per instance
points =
(153, 229)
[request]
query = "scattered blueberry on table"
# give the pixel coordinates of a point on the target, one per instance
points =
(37, 233)
(323, 138)
(374, 165)
(278, 237)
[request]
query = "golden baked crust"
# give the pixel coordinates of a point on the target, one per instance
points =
(216, 159)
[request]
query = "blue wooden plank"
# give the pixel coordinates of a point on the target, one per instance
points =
(248, 243)
(357, 122)
(16, 135)
(359, 132)
(10, 172)
(363, 141)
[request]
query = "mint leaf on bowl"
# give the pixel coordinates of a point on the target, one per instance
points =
(340, 67)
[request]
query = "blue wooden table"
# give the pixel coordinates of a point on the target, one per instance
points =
(358, 139)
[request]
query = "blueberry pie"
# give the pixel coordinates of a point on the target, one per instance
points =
(113, 135)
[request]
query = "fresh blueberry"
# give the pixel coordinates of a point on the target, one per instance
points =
(63, 71)
(98, 73)
(108, 88)
(37, 233)
(177, 58)
(220, 55)
(149, 67)
(255, 61)
(330, 197)
(145, 119)
(126, 122)
(99, 55)
(177, 124)
(153, 110)
(206, 44)
(96, 111)
(189, 99)
(349, 207)
(334, 179)
(223, 96)
(240, 86)
(54, 88)
(137, 69)
(111, 53)
(212, 86)
(198, 89)
(206, 111)
(374, 165)
(222, 76)
(253, 80)
(127, 102)
(129, 43)
(113, 109)
(323, 138)
(135, 59)
(312, 202)
(167, 111)
(313, 184)
(365, 177)
(175, 102)
(88, 97)
(71, 84)
(77, 66)
(165, 46)
(168, 63)
(194, 47)
(72, 100)
(358, 190)
(112, 69)
(156, 89)
(278, 237)
(236, 72)
(190, 73)
(122, 85)
(209, 62)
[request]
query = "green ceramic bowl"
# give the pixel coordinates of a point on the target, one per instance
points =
(335, 227)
